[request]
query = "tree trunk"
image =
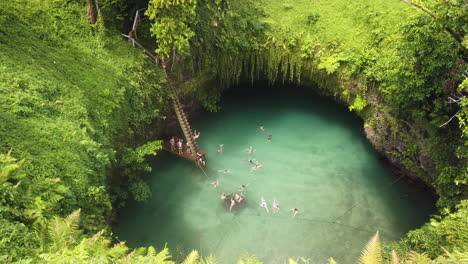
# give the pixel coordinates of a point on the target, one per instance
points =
(92, 11)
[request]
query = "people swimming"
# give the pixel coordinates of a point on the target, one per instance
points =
(257, 166)
(196, 135)
(233, 202)
(262, 128)
(263, 204)
(223, 196)
(243, 187)
(270, 137)
(276, 207)
(225, 171)
(215, 184)
(220, 150)
(295, 211)
(249, 150)
(251, 161)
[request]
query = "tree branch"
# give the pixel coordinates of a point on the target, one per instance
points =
(450, 118)
(455, 35)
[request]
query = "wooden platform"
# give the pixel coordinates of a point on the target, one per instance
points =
(185, 155)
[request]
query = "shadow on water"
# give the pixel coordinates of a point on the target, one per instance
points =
(319, 161)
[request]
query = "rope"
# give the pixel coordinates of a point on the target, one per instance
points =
(204, 172)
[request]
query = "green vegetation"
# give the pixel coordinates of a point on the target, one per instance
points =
(77, 103)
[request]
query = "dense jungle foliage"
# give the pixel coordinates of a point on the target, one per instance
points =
(79, 106)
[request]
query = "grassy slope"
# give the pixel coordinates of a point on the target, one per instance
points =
(70, 92)
(349, 23)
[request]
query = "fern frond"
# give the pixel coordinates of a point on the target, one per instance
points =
(414, 257)
(209, 260)
(73, 222)
(371, 254)
(192, 258)
(151, 252)
(394, 258)
(163, 256)
(248, 259)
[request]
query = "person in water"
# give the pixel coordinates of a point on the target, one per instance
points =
(251, 161)
(233, 202)
(220, 150)
(223, 196)
(196, 135)
(237, 197)
(243, 187)
(172, 141)
(257, 166)
(270, 136)
(250, 150)
(262, 128)
(215, 184)
(225, 171)
(295, 211)
(263, 204)
(276, 207)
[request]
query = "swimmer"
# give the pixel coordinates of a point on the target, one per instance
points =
(225, 171)
(262, 128)
(241, 198)
(233, 202)
(237, 197)
(243, 187)
(251, 161)
(250, 150)
(223, 196)
(215, 184)
(220, 150)
(270, 136)
(263, 204)
(276, 207)
(196, 135)
(258, 165)
(295, 211)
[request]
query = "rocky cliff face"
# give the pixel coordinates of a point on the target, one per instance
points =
(404, 145)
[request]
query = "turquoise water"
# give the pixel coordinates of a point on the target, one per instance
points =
(318, 161)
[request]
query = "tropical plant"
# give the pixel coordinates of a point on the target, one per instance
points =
(372, 254)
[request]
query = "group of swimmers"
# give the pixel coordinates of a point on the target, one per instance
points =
(237, 198)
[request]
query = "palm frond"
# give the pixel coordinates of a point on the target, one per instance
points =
(371, 254)
(192, 258)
